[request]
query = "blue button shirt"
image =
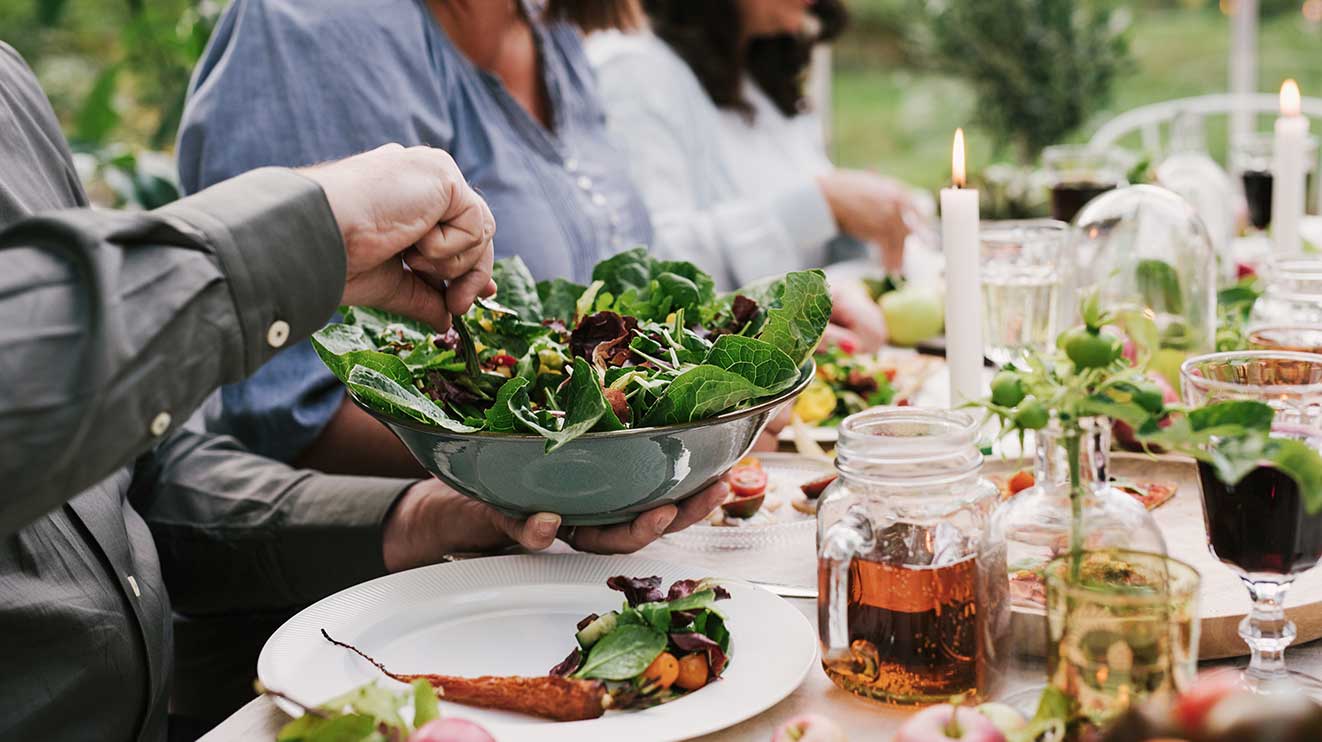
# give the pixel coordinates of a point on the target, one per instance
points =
(296, 82)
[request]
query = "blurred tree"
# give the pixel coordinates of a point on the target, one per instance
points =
(117, 74)
(1037, 67)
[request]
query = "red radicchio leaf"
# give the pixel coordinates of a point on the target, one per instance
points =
(443, 390)
(637, 590)
(691, 641)
(568, 664)
(602, 328)
(743, 309)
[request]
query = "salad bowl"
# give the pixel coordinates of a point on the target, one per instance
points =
(598, 478)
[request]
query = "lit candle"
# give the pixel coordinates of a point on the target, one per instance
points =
(959, 241)
(1288, 172)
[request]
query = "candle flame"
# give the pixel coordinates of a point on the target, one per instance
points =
(1290, 105)
(957, 173)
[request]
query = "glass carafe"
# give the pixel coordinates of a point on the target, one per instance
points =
(1035, 523)
(912, 597)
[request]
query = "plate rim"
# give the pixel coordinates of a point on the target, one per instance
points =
(573, 730)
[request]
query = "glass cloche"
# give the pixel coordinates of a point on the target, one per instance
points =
(1145, 247)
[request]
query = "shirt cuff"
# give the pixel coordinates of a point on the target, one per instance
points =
(342, 545)
(806, 215)
(281, 250)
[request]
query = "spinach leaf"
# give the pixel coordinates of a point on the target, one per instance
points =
(375, 321)
(657, 615)
(1302, 463)
(703, 282)
(385, 393)
(559, 298)
(428, 357)
(694, 601)
(345, 728)
(623, 654)
(799, 315)
(500, 418)
(763, 364)
(467, 347)
(631, 269)
(700, 392)
(425, 706)
(516, 289)
(678, 292)
(341, 347)
(585, 407)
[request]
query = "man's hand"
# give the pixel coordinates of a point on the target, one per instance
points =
(398, 206)
(431, 520)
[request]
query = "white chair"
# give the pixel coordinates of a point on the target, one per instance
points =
(1150, 121)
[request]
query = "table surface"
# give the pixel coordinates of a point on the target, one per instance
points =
(862, 720)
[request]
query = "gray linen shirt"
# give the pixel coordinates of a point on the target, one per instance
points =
(113, 328)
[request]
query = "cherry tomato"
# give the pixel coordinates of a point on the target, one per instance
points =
(890, 373)
(1022, 480)
(747, 481)
(663, 671)
(1088, 349)
(847, 346)
(504, 359)
(1007, 389)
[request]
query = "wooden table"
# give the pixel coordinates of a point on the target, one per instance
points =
(862, 720)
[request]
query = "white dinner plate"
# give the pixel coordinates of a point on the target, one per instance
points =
(516, 616)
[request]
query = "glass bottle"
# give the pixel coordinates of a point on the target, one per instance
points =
(1035, 523)
(911, 585)
(1190, 172)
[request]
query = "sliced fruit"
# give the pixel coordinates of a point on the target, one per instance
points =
(743, 507)
(1022, 480)
(816, 403)
(814, 489)
(747, 481)
(663, 671)
(693, 671)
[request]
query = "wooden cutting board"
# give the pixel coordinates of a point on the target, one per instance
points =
(1224, 601)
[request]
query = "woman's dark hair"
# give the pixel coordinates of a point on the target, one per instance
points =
(596, 15)
(706, 34)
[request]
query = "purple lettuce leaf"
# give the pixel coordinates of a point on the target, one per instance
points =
(685, 588)
(568, 665)
(637, 590)
(691, 641)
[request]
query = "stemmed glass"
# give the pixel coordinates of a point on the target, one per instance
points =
(1078, 174)
(1260, 527)
(1022, 267)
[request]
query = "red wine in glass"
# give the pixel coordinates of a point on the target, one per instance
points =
(1068, 198)
(1258, 193)
(1260, 525)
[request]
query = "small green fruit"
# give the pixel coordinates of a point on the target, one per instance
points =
(1007, 389)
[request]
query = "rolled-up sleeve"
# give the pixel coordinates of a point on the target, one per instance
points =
(238, 532)
(118, 325)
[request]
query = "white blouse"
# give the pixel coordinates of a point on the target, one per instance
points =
(739, 199)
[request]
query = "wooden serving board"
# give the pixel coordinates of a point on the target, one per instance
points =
(1224, 601)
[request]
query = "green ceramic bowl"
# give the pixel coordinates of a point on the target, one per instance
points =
(597, 479)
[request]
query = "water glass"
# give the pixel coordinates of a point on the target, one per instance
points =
(1023, 267)
(1122, 626)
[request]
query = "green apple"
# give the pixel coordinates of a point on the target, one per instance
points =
(1167, 363)
(913, 314)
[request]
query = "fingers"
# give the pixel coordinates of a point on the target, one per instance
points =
(628, 537)
(534, 534)
(699, 506)
(835, 335)
(464, 290)
(462, 233)
(392, 288)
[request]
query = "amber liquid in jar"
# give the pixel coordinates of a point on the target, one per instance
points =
(913, 632)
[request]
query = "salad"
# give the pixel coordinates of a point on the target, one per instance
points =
(844, 384)
(657, 647)
(647, 343)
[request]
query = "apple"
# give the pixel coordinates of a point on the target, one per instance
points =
(809, 728)
(944, 721)
(1006, 718)
(913, 314)
(1166, 362)
(451, 730)
(1206, 691)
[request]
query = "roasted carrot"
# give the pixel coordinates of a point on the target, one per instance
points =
(558, 698)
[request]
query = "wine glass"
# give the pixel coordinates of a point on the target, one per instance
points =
(1261, 527)
(1022, 264)
(1078, 174)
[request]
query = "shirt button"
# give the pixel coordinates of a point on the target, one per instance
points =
(277, 333)
(571, 164)
(598, 199)
(585, 182)
(160, 424)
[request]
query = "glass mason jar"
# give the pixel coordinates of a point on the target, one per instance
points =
(911, 600)
(1293, 295)
(1144, 247)
(1035, 523)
